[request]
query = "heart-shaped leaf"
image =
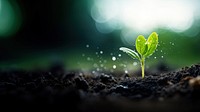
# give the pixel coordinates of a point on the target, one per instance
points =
(141, 45)
(152, 43)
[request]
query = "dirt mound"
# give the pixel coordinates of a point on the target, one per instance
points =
(56, 90)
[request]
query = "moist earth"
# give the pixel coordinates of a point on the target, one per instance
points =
(61, 91)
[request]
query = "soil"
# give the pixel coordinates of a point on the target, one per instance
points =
(61, 91)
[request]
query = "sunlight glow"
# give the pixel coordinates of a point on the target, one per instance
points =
(143, 15)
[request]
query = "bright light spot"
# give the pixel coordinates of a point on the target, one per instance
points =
(126, 71)
(114, 66)
(101, 52)
(143, 15)
(134, 63)
(113, 58)
(10, 18)
(87, 45)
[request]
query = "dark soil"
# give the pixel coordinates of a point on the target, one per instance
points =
(57, 90)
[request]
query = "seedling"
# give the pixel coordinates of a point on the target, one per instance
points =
(144, 47)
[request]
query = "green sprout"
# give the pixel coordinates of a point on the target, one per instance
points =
(144, 47)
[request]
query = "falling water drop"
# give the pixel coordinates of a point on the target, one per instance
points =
(113, 58)
(101, 52)
(114, 66)
(126, 71)
(161, 56)
(119, 55)
(155, 57)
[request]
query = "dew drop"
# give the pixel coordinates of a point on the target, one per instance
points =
(113, 58)
(114, 66)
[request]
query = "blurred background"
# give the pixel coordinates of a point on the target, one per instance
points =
(85, 35)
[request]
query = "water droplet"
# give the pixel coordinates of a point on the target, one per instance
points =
(155, 57)
(126, 71)
(114, 66)
(161, 56)
(101, 52)
(113, 58)
(87, 46)
(119, 55)
(101, 65)
(134, 63)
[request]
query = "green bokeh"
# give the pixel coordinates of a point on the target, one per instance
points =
(10, 18)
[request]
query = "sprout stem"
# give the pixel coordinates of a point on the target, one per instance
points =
(142, 61)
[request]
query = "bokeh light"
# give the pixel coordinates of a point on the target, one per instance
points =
(10, 19)
(143, 16)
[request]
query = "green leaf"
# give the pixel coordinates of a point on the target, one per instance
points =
(141, 45)
(152, 43)
(130, 52)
